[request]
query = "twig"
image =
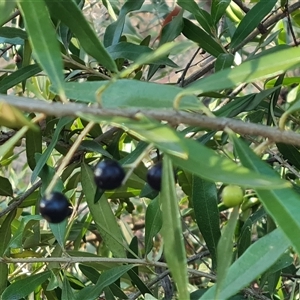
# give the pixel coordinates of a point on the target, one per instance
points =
(181, 79)
(174, 117)
(286, 8)
(167, 272)
(18, 202)
(78, 259)
(269, 22)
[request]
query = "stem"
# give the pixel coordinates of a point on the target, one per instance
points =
(169, 115)
(69, 156)
(73, 260)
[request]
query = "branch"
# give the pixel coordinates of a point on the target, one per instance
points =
(18, 202)
(170, 115)
(77, 259)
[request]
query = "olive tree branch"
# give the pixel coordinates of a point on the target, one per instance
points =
(78, 259)
(170, 115)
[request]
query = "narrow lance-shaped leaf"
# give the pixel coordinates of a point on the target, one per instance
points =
(44, 157)
(69, 13)
(45, 46)
(283, 205)
(105, 279)
(153, 223)
(262, 67)
(204, 199)
(259, 257)
(102, 214)
(19, 76)
(114, 31)
(23, 287)
(172, 234)
(225, 251)
(138, 94)
(218, 8)
(201, 15)
(6, 7)
(251, 20)
(199, 36)
(5, 233)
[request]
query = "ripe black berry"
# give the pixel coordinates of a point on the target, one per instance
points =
(109, 175)
(154, 176)
(55, 207)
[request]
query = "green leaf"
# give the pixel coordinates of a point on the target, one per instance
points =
(205, 203)
(268, 65)
(138, 94)
(153, 223)
(168, 34)
(218, 9)
(102, 214)
(8, 145)
(12, 32)
(283, 205)
(5, 187)
(258, 258)
(69, 13)
(46, 174)
(290, 153)
(67, 292)
(204, 40)
(17, 238)
(114, 31)
(185, 153)
(59, 231)
(5, 230)
(23, 287)
(174, 250)
(244, 103)
(225, 251)
(244, 240)
(105, 279)
(171, 30)
(44, 157)
(132, 52)
(93, 146)
(202, 16)
(251, 20)
(89, 273)
(6, 8)
(152, 131)
(224, 61)
(5, 233)
(161, 52)
(19, 76)
(136, 281)
(33, 145)
(45, 46)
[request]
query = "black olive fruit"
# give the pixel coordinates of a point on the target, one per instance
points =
(109, 175)
(154, 176)
(55, 207)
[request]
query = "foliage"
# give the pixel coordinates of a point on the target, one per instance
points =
(211, 91)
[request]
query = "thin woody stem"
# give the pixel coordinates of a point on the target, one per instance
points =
(173, 117)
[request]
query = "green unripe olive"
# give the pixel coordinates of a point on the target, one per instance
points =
(232, 195)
